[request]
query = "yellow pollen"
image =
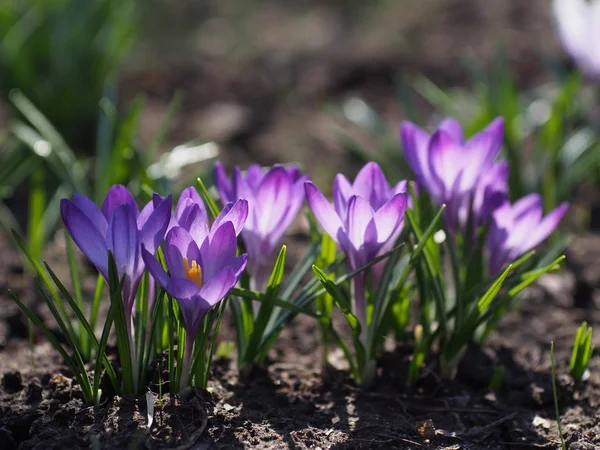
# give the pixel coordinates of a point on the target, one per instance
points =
(193, 273)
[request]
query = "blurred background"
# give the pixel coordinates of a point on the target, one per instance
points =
(147, 92)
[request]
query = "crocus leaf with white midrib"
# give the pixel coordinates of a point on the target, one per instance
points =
(203, 265)
(275, 197)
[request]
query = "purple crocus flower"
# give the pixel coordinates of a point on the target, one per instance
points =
(275, 197)
(578, 23)
(516, 229)
(120, 227)
(450, 168)
(202, 262)
(370, 183)
(361, 226)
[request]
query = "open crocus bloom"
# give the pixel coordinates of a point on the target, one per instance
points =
(578, 23)
(202, 262)
(359, 227)
(516, 229)
(370, 184)
(120, 227)
(450, 168)
(274, 197)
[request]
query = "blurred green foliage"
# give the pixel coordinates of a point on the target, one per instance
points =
(61, 54)
(36, 156)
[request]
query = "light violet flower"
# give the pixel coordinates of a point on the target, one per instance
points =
(202, 262)
(120, 227)
(371, 184)
(518, 228)
(450, 168)
(578, 23)
(274, 197)
(361, 226)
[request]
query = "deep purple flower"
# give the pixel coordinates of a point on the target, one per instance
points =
(361, 226)
(450, 168)
(120, 227)
(274, 200)
(518, 228)
(202, 262)
(578, 23)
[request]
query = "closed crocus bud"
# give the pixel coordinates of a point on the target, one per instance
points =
(518, 228)
(450, 167)
(274, 196)
(578, 24)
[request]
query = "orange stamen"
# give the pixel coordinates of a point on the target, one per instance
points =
(193, 273)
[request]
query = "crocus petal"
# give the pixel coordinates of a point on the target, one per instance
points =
(188, 198)
(178, 245)
(491, 192)
(446, 161)
(219, 250)
(389, 217)
(155, 268)
(193, 310)
(194, 220)
(222, 183)
(295, 174)
(122, 239)
(415, 143)
(577, 25)
(547, 225)
(254, 176)
(272, 197)
(118, 195)
(342, 191)
(526, 204)
(236, 213)
(370, 183)
(453, 128)
(401, 187)
(142, 218)
(91, 210)
(359, 225)
(86, 235)
(278, 229)
(295, 202)
(217, 287)
(572, 20)
(519, 228)
(153, 231)
(182, 288)
(322, 210)
(482, 149)
(243, 191)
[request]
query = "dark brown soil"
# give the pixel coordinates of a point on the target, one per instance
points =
(292, 404)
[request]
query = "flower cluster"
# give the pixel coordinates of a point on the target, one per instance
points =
(464, 175)
(198, 264)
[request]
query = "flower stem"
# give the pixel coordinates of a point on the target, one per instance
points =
(186, 367)
(358, 294)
